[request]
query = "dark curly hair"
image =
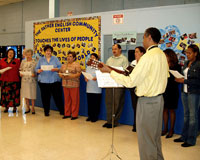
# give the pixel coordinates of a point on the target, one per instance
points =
(10, 50)
(173, 60)
(195, 49)
(94, 54)
(48, 47)
(142, 49)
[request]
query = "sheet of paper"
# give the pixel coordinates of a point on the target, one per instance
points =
(105, 81)
(87, 75)
(26, 73)
(46, 67)
(5, 69)
(176, 74)
(64, 74)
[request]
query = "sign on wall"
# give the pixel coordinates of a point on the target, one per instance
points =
(80, 35)
(118, 18)
(124, 38)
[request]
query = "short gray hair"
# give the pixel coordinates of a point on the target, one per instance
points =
(29, 50)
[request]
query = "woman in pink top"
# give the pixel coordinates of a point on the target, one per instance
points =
(70, 74)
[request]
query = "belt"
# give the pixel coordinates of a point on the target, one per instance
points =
(152, 96)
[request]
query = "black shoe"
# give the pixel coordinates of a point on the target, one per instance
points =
(185, 144)
(46, 114)
(28, 111)
(66, 117)
(61, 113)
(88, 119)
(178, 140)
(164, 133)
(73, 118)
(6, 110)
(134, 129)
(33, 112)
(94, 120)
(110, 125)
(170, 134)
(105, 125)
(14, 110)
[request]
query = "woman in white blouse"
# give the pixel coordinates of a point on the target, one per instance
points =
(28, 82)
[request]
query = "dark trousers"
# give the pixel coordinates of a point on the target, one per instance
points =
(134, 99)
(94, 103)
(118, 103)
(54, 89)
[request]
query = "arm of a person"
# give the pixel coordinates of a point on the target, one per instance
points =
(18, 63)
(78, 72)
(76, 75)
(21, 67)
(136, 77)
(61, 70)
(58, 66)
(38, 67)
(192, 81)
(34, 73)
(126, 63)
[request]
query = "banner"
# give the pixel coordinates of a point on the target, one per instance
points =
(80, 35)
(172, 38)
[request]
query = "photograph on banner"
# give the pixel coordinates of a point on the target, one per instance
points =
(124, 38)
(79, 35)
(172, 38)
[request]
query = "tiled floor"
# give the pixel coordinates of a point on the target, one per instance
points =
(54, 138)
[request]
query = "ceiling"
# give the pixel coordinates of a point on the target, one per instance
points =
(5, 2)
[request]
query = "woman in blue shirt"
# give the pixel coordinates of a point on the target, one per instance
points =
(49, 81)
(93, 93)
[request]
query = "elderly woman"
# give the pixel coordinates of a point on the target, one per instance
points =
(190, 96)
(49, 81)
(10, 91)
(171, 94)
(28, 82)
(70, 73)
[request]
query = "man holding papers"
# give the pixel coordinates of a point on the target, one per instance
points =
(150, 78)
(49, 81)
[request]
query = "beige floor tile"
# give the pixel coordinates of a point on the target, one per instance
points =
(54, 138)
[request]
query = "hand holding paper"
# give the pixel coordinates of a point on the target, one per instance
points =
(88, 75)
(46, 67)
(25, 73)
(4, 70)
(176, 74)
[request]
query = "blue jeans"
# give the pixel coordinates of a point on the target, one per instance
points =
(191, 104)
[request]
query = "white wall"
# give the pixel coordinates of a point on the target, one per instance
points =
(13, 17)
(186, 17)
